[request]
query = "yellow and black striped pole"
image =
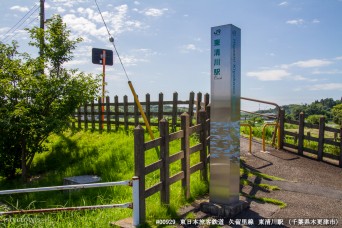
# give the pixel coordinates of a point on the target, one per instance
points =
(141, 109)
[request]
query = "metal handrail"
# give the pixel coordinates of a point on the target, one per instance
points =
(261, 101)
(263, 135)
(134, 205)
(270, 103)
(65, 187)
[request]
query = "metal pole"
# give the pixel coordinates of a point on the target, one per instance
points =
(64, 187)
(123, 205)
(141, 109)
(136, 206)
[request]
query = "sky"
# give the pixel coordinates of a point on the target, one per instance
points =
(291, 51)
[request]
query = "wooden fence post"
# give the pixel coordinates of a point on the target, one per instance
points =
(126, 112)
(203, 140)
(73, 124)
(136, 115)
(174, 111)
(281, 127)
(321, 139)
(139, 162)
(92, 110)
(116, 110)
(340, 147)
(185, 144)
(301, 134)
(148, 108)
(198, 106)
(160, 107)
(207, 109)
(191, 106)
(86, 116)
(164, 156)
(108, 113)
(79, 118)
(100, 113)
(206, 100)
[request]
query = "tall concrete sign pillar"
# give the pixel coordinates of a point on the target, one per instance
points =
(225, 114)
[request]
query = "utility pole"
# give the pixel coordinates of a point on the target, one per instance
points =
(42, 19)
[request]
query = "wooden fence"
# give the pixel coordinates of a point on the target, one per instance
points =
(321, 140)
(127, 114)
(163, 164)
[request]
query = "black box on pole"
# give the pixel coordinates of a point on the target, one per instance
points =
(96, 56)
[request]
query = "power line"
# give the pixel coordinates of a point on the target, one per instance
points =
(34, 19)
(19, 24)
(111, 39)
(21, 19)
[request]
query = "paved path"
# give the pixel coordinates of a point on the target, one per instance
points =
(312, 190)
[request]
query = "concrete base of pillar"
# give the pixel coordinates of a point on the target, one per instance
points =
(224, 211)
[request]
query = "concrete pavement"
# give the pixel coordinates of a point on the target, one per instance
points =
(312, 191)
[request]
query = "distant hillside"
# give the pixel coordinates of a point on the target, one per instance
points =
(318, 107)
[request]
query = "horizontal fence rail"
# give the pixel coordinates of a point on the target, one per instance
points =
(133, 205)
(108, 114)
(65, 187)
(303, 142)
(165, 159)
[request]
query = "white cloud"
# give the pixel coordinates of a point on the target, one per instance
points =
(155, 12)
(327, 86)
(89, 22)
(295, 22)
(315, 21)
(269, 75)
(145, 52)
(312, 63)
(82, 26)
(338, 58)
(190, 47)
(307, 63)
(60, 10)
(3, 30)
(136, 3)
(301, 78)
(335, 71)
(20, 8)
(75, 63)
(130, 60)
(283, 4)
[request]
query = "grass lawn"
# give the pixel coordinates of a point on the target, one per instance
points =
(110, 156)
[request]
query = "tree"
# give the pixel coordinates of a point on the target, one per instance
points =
(34, 105)
(336, 112)
(314, 119)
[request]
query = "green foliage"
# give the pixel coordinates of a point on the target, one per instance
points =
(314, 119)
(337, 114)
(108, 155)
(322, 107)
(35, 104)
